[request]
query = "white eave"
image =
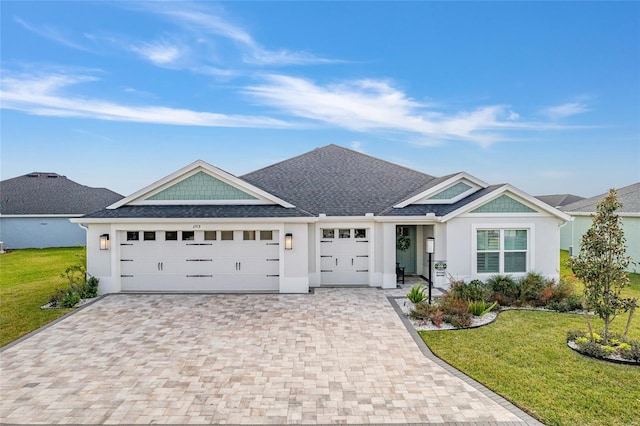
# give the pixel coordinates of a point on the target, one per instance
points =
(463, 176)
(137, 197)
(507, 188)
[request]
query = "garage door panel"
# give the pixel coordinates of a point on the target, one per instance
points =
(196, 265)
(344, 256)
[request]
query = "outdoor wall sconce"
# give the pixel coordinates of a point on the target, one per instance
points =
(104, 242)
(288, 241)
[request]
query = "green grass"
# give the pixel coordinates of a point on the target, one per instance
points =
(523, 356)
(27, 280)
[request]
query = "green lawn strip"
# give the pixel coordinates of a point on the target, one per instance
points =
(27, 280)
(523, 357)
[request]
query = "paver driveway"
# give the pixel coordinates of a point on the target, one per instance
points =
(336, 356)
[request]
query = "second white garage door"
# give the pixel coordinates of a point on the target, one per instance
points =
(344, 256)
(199, 260)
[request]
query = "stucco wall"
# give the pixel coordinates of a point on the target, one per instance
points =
(40, 232)
(571, 235)
(544, 244)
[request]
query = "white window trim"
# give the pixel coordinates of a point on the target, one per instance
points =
(530, 261)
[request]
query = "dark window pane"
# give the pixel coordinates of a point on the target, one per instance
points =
(248, 235)
(188, 235)
(344, 233)
(488, 262)
(149, 236)
(515, 262)
(360, 233)
(266, 235)
(133, 236)
(226, 235)
(171, 235)
(210, 235)
(328, 233)
(515, 239)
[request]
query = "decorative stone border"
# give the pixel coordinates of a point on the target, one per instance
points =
(615, 359)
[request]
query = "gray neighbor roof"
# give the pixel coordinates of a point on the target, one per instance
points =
(43, 193)
(559, 200)
(330, 180)
(629, 196)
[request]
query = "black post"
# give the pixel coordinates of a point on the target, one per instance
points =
(430, 282)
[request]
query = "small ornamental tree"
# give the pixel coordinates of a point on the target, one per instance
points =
(602, 263)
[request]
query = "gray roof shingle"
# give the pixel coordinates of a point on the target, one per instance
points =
(629, 196)
(198, 212)
(338, 181)
(559, 200)
(41, 193)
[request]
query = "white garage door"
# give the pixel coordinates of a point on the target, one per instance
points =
(344, 256)
(199, 260)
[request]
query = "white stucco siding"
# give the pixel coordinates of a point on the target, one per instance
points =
(294, 263)
(543, 254)
(99, 262)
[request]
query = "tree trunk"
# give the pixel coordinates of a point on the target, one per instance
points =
(626, 328)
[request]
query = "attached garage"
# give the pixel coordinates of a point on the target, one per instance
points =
(344, 256)
(212, 260)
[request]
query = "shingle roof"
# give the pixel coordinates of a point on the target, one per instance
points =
(559, 200)
(50, 193)
(629, 196)
(198, 212)
(438, 209)
(338, 181)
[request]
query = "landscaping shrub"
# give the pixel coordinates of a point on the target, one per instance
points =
(479, 307)
(472, 291)
(422, 311)
(531, 289)
(416, 294)
(593, 345)
(569, 304)
(455, 311)
(504, 288)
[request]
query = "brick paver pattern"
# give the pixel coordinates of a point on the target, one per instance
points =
(336, 356)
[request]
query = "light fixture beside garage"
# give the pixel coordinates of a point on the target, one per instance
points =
(104, 242)
(288, 241)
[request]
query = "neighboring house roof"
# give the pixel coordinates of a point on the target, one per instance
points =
(41, 193)
(629, 196)
(559, 200)
(338, 181)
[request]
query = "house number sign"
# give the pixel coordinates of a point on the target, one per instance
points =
(440, 266)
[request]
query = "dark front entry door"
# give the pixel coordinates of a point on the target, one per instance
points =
(406, 258)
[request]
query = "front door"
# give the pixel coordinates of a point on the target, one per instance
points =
(406, 247)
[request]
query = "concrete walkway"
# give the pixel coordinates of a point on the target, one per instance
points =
(336, 356)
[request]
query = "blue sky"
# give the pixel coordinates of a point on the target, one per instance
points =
(543, 95)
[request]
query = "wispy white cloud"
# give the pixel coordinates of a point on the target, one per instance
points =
(48, 94)
(357, 146)
(207, 22)
(565, 110)
(51, 33)
(159, 52)
(375, 105)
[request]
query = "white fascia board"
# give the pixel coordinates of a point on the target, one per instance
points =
(409, 220)
(621, 214)
(443, 185)
(190, 170)
(507, 188)
(41, 215)
(196, 220)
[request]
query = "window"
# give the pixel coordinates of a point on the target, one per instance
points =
(402, 231)
(133, 235)
(210, 235)
(344, 233)
(248, 235)
(501, 251)
(149, 236)
(328, 233)
(360, 233)
(171, 235)
(226, 235)
(188, 235)
(266, 235)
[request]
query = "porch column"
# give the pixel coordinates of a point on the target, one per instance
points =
(389, 255)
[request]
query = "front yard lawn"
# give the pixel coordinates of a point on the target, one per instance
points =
(27, 280)
(523, 356)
